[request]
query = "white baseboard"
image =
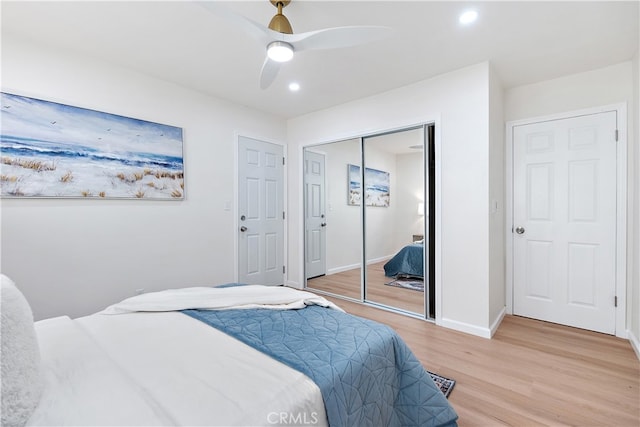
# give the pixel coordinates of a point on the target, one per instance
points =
(496, 323)
(466, 328)
(342, 268)
(377, 260)
(293, 284)
(635, 344)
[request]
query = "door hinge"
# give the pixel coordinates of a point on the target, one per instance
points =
(283, 160)
(615, 301)
(284, 270)
(616, 135)
(283, 217)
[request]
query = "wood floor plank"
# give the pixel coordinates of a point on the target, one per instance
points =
(531, 373)
(347, 283)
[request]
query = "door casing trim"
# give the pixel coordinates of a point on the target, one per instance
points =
(621, 204)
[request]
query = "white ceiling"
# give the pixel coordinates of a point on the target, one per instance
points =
(182, 42)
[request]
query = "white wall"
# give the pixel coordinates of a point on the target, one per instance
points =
(634, 328)
(408, 193)
(75, 257)
(594, 88)
(379, 221)
(459, 101)
(605, 86)
(497, 291)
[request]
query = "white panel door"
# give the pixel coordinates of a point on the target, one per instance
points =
(564, 238)
(261, 212)
(315, 221)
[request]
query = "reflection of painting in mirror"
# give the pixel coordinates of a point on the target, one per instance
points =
(354, 179)
(377, 192)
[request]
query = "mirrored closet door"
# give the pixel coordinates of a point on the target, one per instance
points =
(366, 204)
(333, 231)
(394, 215)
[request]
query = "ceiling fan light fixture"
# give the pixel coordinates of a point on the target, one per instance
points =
(280, 51)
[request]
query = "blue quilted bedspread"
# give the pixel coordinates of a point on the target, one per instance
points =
(366, 373)
(407, 262)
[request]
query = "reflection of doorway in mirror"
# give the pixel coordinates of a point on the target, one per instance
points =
(315, 220)
(343, 229)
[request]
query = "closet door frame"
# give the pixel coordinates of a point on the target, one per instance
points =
(434, 207)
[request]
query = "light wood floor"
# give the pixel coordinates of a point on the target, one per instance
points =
(347, 283)
(531, 373)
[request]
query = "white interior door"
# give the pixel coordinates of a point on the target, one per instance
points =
(564, 240)
(315, 221)
(261, 212)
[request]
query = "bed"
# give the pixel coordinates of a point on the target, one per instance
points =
(213, 356)
(408, 262)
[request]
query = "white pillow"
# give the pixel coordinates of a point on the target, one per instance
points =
(22, 382)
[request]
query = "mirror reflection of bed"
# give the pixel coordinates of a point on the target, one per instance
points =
(391, 230)
(347, 283)
(407, 266)
(399, 288)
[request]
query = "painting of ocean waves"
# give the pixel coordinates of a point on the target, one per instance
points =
(55, 150)
(377, 188)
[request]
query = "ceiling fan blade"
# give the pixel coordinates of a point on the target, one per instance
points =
(259, 32)
(331, 38)
(269, 72)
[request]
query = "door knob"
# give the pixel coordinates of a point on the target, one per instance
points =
(520, 230)
(324, 224)
(243, 228)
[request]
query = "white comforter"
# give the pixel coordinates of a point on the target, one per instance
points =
(205, 298)
(164, 368)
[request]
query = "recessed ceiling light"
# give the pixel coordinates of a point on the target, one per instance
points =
(468, 17)
(294, 87)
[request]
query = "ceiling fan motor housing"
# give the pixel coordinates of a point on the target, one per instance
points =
(279, 22)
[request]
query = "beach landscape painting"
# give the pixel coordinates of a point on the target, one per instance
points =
(49, 149)
(377, 187)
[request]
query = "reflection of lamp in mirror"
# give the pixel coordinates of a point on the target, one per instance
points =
(421, 209)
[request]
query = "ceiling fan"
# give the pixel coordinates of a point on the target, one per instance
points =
(281, 43)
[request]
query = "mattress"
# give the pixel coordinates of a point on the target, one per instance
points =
(165, 368)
